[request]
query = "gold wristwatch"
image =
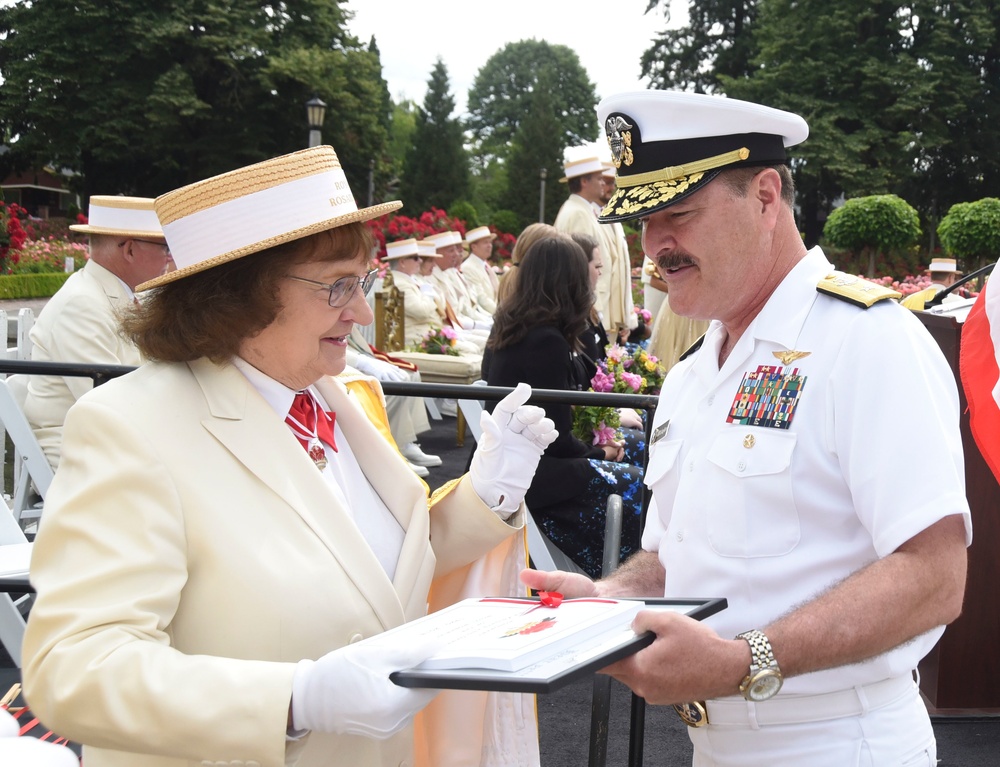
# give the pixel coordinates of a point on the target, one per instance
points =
(764, 679)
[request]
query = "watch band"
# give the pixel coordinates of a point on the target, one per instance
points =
(761, 654)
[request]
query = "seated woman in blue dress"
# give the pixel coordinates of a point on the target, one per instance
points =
(536, 339)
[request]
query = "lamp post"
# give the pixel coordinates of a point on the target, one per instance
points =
(371, 181)
(541, 195)
(315, 111)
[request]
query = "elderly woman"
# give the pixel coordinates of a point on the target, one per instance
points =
(229, 520)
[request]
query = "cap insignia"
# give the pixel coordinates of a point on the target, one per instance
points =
(620, 140)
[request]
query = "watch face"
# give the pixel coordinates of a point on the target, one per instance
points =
(765, 685)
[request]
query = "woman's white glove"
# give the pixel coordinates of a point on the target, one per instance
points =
(348, 691)
(380, 369)
(514, 437)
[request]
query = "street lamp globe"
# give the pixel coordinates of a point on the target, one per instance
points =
(315, 111)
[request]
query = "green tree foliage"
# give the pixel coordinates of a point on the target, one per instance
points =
(535, 146)
(873, 225)
(143, 97)
(971, 231)
(717, 41)
(956, 146)
(884, 89)
(500, 95)
(466, 211)
(401, 129)
(436, 171)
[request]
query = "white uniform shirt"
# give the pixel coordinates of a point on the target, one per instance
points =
(770, 517)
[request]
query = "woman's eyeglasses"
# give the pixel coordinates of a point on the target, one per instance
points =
(343, 289)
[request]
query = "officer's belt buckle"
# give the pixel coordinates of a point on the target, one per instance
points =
(693, 714)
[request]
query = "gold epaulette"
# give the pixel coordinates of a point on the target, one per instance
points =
(855, 290)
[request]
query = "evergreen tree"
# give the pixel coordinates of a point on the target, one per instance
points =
(436, 172)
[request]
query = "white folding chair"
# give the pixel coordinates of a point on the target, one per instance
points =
(15, 555)
(32, 473)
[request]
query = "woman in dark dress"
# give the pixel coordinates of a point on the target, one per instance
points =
(536, 339)
(594, 349)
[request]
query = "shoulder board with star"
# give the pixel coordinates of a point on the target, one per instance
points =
(692, 349)
(855, 290)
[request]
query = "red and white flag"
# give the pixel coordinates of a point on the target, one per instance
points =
(979, 365)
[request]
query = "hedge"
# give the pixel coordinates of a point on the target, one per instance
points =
(31, 285)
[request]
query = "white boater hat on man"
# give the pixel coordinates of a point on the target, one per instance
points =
(444, 239)
(427, 249)
(943, 265)
(401, 249)
(667, 145)
(479, 233)
(121, 217)
(583, 167)
(251, 209)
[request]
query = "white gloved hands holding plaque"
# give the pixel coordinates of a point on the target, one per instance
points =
(514, 437)
(348, 691)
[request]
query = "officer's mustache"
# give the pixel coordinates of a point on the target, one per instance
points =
(673, 261)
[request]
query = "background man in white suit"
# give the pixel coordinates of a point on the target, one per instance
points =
(477, 269)
(578, 215)
(80, 322)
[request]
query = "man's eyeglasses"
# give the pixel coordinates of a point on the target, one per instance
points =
(343, 289)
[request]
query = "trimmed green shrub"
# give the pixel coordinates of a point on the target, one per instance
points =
(970, 232)
(31, 285)
(873, 226)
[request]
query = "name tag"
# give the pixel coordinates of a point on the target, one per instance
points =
(659, 432)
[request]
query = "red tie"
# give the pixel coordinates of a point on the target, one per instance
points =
(308, 429)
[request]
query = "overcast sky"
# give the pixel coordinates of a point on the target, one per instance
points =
(609, 36)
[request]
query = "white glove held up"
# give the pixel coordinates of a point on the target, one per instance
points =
(514, 437)
(348, 691)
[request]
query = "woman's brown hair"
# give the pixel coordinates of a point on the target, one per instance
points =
(553, 289)
(210, 313)
(531, 234)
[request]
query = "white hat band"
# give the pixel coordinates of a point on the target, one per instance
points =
(259, 216)
(126, 219)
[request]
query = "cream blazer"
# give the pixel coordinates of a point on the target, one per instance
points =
(78, 324)
(419, 308)
(190, 555)
(482, 282)
(618, 267)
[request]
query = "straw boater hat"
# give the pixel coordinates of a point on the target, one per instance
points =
(121, 216)
(427, 249)
(582, 167)
(667, 145)
(943, 265)
(250, 209)
(479, 233)
(401, 249)
(444, 239)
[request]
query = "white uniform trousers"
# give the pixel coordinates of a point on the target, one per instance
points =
(897, 734)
